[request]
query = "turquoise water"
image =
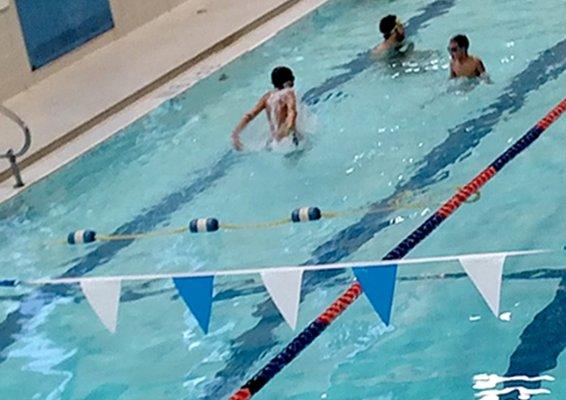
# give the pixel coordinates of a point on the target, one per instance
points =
(378, 133)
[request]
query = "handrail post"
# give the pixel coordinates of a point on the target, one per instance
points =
(10, 154)
(15, 169)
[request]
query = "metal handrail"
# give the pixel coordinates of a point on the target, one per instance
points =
(12, 155)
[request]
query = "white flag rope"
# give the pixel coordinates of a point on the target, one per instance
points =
(316, 267)
(284, 283)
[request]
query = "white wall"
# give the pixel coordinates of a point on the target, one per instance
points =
(15, 71)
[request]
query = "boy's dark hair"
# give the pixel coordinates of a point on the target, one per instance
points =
(280, 76)
(462, 41)
(387, 24)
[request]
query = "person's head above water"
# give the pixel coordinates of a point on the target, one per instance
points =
(391, 27)
(282, 77)
(458, 46)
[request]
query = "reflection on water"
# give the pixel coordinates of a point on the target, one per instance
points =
(486, 384)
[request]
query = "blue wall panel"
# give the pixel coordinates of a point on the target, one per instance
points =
(52, 28)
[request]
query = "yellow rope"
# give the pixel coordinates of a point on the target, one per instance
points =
(258, 225)
(132, 236)
(337, 214)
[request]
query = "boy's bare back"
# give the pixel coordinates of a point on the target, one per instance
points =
(280, 106)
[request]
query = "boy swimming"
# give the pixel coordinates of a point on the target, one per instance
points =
(280, 106)
(464, 64)
(393, 43)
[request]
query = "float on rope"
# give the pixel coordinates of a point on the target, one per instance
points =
(306, 214)
(200, 225)
(81, 237)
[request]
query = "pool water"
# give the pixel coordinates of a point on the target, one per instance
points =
(381, 132)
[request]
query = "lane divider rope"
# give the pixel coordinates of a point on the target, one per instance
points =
(315, 328)
(202, 225)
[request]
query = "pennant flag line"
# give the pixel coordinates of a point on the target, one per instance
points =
(197, 295)
(486, 273)
(104, 298)
(284, 287)
(379, 288)
(283, 284)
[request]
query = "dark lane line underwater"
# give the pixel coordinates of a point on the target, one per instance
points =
(159, 213)
(365, 60)
(256, 342)
(542, 342)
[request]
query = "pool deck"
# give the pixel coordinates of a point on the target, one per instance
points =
(84, 104)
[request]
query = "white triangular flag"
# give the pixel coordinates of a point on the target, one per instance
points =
(284, 287)
(104, 297)
(486, 272)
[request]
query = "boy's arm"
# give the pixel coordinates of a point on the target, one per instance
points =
(483, 72)
(378, 51)
(480, 67)
(246, 119)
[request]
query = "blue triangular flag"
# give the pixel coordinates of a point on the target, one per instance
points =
(197, 294)
(379, 286)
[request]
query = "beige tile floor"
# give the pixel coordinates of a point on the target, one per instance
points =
(88, 101)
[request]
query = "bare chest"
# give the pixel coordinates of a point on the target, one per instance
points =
(468, 68)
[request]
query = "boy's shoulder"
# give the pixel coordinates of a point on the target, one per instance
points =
(266, 96)
(476, 60)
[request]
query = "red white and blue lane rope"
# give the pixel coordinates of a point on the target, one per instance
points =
(315, 328)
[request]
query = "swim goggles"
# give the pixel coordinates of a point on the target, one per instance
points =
(398, 25)
(453, 49)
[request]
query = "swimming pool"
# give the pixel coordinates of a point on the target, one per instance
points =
(379, 133)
